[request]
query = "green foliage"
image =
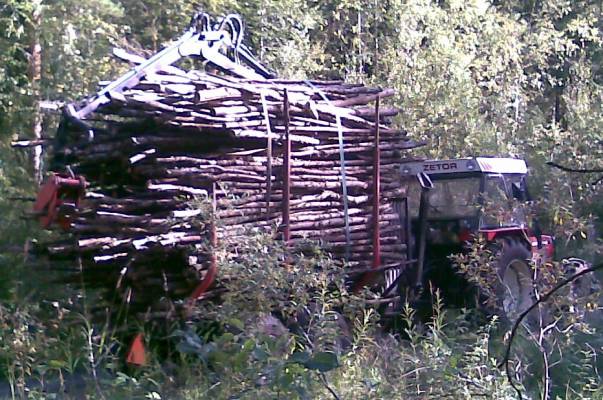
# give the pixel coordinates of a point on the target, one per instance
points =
(33, 348)
(77, 49)
(282, 314)
(240, 348)
(256, 280)
(558, 332)
(257, 355)
(14, 81)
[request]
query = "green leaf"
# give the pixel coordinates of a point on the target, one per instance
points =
(248, 346)
(301, 357)
(57, 364)
(237, 323)
(323, 361)
(259, 354)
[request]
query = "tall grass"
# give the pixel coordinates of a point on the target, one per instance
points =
(287, 328)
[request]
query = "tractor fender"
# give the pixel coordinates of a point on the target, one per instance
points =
(543, 251)
(496, 233)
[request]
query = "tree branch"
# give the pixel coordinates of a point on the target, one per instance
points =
(325, 382)
(579, 170)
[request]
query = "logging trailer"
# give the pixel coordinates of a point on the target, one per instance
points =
(112, 178)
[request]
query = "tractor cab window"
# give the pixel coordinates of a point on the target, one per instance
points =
(495, 189)
(499, 209)
(452, 198)
(453, 209)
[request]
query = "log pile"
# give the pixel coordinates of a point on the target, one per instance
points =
(274, 154)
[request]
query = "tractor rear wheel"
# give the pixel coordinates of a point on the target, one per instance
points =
(515, 286)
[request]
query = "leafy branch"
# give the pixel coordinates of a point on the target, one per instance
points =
(579, 170)
(522, 316)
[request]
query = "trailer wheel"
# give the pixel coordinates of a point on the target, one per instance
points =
(515, 287)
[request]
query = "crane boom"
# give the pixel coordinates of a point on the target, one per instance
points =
(200, 40)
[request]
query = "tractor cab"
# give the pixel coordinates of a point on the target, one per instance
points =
(466, 196)
(451, 201)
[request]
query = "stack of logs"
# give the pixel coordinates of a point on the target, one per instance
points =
(275, 154)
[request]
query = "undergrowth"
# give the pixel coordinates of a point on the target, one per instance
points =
(285, 328)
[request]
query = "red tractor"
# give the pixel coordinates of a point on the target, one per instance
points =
(447, 210)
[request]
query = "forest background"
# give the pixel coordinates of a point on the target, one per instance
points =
(506, 78)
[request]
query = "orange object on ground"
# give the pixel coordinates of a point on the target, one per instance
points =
(137, 354)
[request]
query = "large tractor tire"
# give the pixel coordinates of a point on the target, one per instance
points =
(515, 287)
